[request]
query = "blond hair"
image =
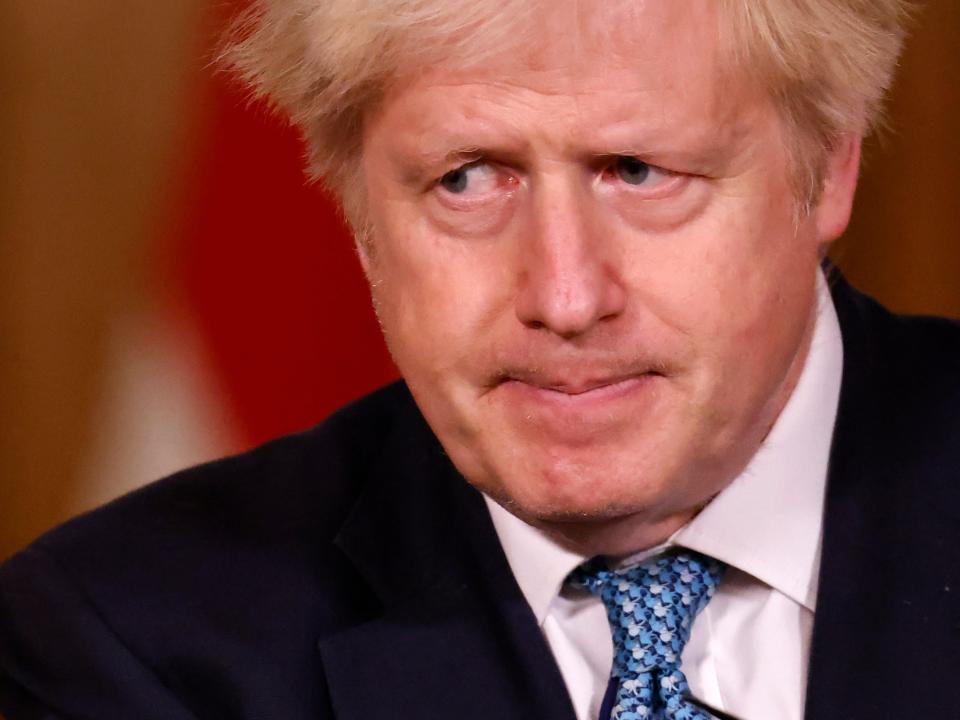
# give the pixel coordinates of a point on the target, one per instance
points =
(827, 64)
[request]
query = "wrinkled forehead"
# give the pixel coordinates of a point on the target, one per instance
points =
(602, 61)
(576, 34)
(676, 49)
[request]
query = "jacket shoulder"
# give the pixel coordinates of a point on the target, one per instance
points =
(231, 564)
(911, 362)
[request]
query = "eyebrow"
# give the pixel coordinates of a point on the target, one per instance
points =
(428, 154)
(703, 160)
(708, 151)
(415, 168)
(416, 162)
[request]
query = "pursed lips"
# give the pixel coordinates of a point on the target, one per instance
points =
(582, 387)
(574, 392)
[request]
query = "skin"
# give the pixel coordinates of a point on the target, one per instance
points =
(602, 313)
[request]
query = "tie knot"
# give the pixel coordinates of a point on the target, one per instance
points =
(651, 606)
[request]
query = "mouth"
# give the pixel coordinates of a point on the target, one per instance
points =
(599, 392)
(582, 411)
(573, 384)
(583, 387)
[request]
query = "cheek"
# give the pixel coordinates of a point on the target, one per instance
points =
(737, 283)
(437, 298)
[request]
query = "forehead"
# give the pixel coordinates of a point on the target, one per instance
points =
(573, 35)
(589, 68)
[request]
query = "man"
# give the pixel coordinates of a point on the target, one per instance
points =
(594, 234)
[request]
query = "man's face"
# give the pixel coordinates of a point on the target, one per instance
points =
(588, 267)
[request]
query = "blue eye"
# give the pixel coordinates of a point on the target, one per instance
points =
(473, 178)
(455, 181)
(631, 170)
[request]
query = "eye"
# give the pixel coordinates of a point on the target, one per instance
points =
(455, 181)
(634, 171)
(476, 177)
(631, 170)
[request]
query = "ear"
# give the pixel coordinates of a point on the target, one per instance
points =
(832, 213)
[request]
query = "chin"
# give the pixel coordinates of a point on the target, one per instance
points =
(600, 524)
(574, 494)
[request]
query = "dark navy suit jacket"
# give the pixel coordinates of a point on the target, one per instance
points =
(351, 572)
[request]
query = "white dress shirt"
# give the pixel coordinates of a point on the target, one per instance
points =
(748, 650)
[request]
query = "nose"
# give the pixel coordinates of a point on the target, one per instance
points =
(569, 279)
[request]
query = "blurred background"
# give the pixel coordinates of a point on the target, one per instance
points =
(171, 292)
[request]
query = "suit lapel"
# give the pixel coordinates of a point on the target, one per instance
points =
(455, 637)
(879, 567)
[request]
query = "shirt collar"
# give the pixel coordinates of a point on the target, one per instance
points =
(767, 522)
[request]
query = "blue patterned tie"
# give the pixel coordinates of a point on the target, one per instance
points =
(651, 608)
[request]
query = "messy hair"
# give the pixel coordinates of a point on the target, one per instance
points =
(827, 65)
